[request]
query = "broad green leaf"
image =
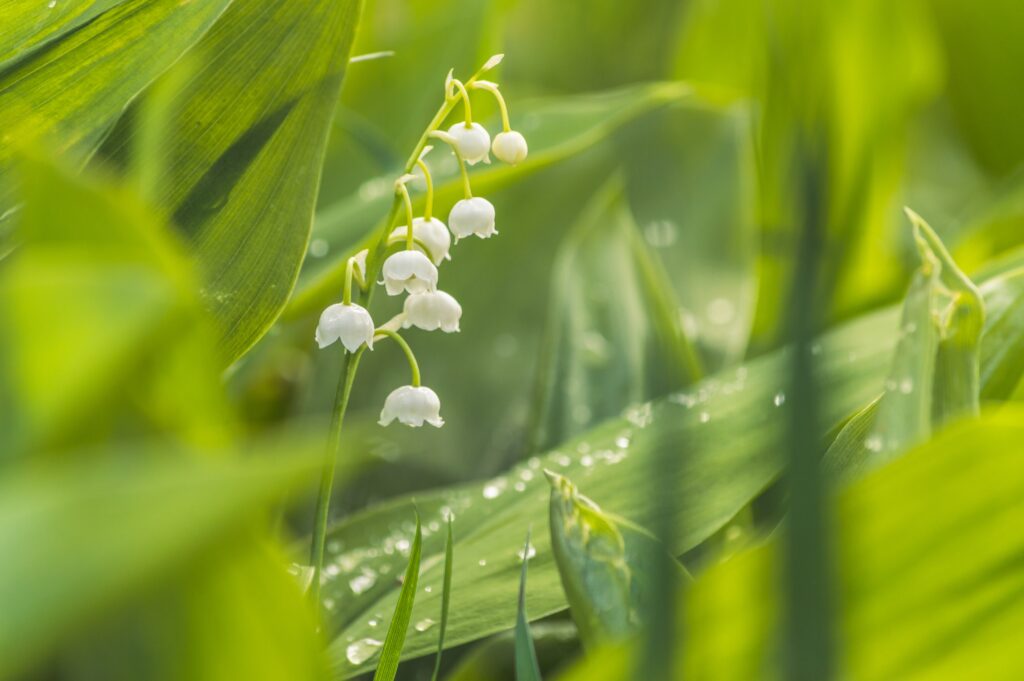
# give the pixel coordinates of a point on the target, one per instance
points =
(125, 525)
(614, 336)
(446, 595)
(729, 424)
(27, 23)
(929, 581)
(95, 266)
(391, 653)
(604, 563)
(241, 164)
(527, 668)
(68, 93)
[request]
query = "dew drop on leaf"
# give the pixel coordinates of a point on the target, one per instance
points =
(362, 650)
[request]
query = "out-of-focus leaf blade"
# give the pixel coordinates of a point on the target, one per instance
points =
(494, 659)
(67, 94)
(614, 337)
(391, 652)
(604, 565)
(242, 158)
(527, 668)
(125, 522)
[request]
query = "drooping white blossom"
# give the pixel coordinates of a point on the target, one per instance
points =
(510, 147)
(409, 271)
(433, 234)
(472, 141)
(351, 324)
(432, 310)
(412, 406)
(472, 216)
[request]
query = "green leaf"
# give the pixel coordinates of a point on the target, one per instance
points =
(69, 92)
(126, 526)
(27, 23)
(929, 582)
(935, 371)
(728, 427)
(613, 337)
(527, 668)
(243, 155)
(391, 653)
(494, 659)
(141, 361)
(446, 597)
(604, 564)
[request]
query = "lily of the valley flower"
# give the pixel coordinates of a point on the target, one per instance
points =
(510, 146)
(474, 215)
(409, 271)
(351, 324)
(472, 141)
(432, 310)
(412, 406)
(432, 233)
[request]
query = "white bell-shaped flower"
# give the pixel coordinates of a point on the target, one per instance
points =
(510, 147)
(433, 234)
(409, 271)
(412, 405)
(351, 324)
(472, 216)
(432, 310)
(473, 141)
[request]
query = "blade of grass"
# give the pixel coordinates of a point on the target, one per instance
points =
(445, 598)
(527, 668)
(392, 650)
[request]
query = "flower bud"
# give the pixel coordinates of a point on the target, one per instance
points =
(412, 406)
(510, 147)
(433, 234)
(432, 310)
(472, 141)
(472, 216)
(351, 324)
(409, 271)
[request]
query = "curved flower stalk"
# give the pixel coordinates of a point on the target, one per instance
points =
(406, 258)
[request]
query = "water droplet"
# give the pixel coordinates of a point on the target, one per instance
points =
(403, 545)
(433, 526)
(482, 562)
(329, 603)
(907, 386)
(494, 488)
(332, 570)
(318, 248)
(423, 624)
(526, 474)
(704, 417)
(52, 4)
(586, 461)
(362, 650)
(373, 623)
(533, 462)
(562, 460)
(779, 399)
(721, 311)
(428, 589)
(529, 553)
(874, 443)
(660, 233)
(363, 581)
(640, 416)
(519, 486)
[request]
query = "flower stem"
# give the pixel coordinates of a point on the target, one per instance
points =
(346, 293)
(404, 191)
(493, 89)
(465, 100)
(350, 363)
(413, 366)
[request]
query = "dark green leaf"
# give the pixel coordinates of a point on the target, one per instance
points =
(527, 668)
(391, 653)
(446, 597)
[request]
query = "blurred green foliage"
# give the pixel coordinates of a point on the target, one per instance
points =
(181, 184)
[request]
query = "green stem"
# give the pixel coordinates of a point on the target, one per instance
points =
(493, 89)
(428, 209)
(346, 293)
(465, 100)
(401, 240)
(350, 363)
(408, 216)
(413, 366)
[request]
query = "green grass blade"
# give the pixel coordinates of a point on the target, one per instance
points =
(446, 597)
(391, 653)
(527, 668)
